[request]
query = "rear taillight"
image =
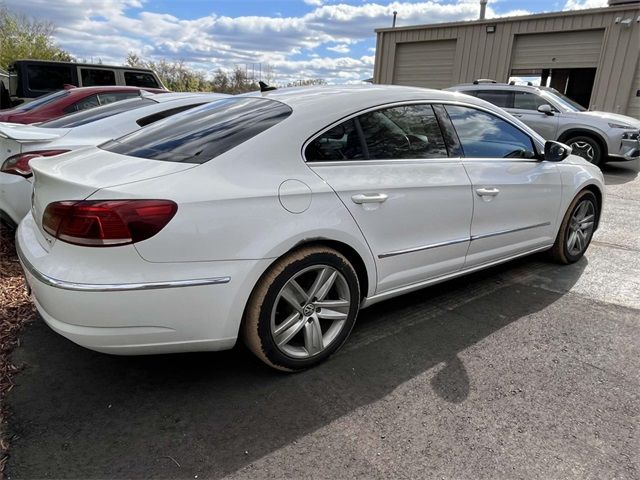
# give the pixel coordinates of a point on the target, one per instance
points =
(105, 223)
(19, 164)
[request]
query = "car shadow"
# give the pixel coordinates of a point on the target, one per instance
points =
(618, 173)
(77, 413)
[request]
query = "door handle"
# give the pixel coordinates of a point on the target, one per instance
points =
(487, 191)
(369, 198)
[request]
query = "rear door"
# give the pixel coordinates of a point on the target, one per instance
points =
(516, 197)
(412, 201)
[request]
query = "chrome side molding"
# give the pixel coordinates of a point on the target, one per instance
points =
(114, 287)
(513, 230)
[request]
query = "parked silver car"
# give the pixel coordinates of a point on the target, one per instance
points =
(595, 136)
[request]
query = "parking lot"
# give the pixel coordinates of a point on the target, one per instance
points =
(526, 370)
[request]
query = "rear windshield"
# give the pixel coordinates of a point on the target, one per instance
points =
(41, 101)
(84, 117)
(198, 135)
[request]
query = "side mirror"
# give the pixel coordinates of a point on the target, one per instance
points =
(556, 151)
(546, 109)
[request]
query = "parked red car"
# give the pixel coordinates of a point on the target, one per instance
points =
(70, 100)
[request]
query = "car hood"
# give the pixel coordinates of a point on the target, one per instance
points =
(609, 117)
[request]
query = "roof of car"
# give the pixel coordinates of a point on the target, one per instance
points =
(494, 85)
(111, 88)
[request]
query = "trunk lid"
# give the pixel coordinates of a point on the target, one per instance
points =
(14, 135)
(78, 174)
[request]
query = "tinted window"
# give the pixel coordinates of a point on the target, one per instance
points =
(149, 119)
(136, 79)
(87, 102)
(499, 98)
(95, 77)
(89, 116)
(409, 131)
(49, 77)
(39, 102)
(197, 136)
(528, 101)
(341, 142)
(110, 97)
(483, 135)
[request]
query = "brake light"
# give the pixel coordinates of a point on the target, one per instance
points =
(19, 164)
(105, 223)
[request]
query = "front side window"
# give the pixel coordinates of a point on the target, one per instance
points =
(483, 135)
(405, 132)
(201, 134)
(500, 98)
(139, 79)
(528, 101)
(92, 77)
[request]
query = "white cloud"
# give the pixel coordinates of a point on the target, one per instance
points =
(108, 30)
(341, 48)
(580, 4)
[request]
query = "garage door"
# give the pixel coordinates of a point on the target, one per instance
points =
(579, 49)
(425, 64)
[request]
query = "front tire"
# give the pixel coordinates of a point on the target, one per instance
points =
(302, 309)
(587, 148)
(577, 229)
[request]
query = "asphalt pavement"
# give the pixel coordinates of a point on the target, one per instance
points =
(527, 370)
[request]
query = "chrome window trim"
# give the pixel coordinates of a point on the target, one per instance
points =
(114, 287)
(536, 141)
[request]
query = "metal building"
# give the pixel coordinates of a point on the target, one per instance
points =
(590, 55)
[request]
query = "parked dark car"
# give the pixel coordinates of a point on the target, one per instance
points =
(70, 100)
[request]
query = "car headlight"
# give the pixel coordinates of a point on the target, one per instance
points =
(619, 125)
(631, 135)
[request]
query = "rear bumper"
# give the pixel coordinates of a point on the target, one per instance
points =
(201, 313)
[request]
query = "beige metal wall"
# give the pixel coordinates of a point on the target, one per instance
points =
(489, 55)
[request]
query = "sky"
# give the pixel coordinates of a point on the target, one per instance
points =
(286, 40)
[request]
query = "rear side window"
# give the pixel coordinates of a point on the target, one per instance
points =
(199, 135)
(500, 98)
(42, 101)
(49, 77)
(87, 102)
(92, 77)
(138, 79)
(408, 131)
(92, 115)
(110, 97)
(484, 135)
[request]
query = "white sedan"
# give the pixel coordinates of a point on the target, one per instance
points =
(278, 216)
(19, 144)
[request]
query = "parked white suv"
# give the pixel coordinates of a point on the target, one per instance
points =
(595, 136)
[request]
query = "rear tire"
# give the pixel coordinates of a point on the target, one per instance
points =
(303, 309)
(577, 229)
(587, 148)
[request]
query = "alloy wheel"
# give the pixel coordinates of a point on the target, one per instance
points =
(310, 311)
(584, 150)
(581, 227)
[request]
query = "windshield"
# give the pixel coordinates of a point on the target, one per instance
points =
(44, 100)
(93, 114)
(198, 135)
(563, 100)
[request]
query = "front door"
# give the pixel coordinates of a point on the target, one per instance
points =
(516, 197)
(391, 169)
(525, 108)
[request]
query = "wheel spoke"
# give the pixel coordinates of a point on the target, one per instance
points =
(290, 320)
(294, 295)
(321, 278)
(313, 341)
(329, 314)
(286, 336)
(579, 240)
(581, 212)
(326, 286)
(571, 242)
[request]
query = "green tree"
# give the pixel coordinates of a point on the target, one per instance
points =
(25, 38)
